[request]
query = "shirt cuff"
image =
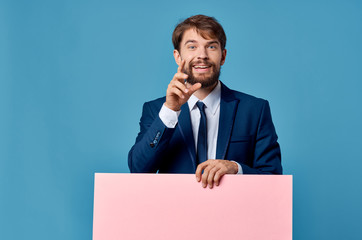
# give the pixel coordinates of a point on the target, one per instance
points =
(240, 169)
(168, 116)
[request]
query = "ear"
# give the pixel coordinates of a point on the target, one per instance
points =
(177, 56)
(223, 57)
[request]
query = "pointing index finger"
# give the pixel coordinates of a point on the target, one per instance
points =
(181, 66)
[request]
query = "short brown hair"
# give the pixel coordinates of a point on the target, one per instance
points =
(207, 27)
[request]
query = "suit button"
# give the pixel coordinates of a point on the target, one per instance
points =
(152, 144)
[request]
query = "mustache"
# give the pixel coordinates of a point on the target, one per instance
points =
(201, 62)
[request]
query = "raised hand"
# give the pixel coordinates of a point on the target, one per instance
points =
(177, 92)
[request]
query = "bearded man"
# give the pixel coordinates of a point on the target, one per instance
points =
(202, 126)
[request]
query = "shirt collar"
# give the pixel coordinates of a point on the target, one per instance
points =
(211, 102)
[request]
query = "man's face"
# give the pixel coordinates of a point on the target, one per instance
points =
(203, 58)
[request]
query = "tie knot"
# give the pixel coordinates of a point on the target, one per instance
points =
(201, 106)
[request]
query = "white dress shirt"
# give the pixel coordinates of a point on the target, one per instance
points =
(212, 111)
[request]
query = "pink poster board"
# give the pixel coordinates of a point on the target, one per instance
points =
(175, 206)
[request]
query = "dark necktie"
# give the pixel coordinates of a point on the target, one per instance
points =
(202, 138)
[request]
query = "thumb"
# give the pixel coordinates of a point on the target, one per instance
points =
(194, 88)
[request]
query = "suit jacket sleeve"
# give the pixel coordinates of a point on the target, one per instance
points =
(151, 142)
(267, 156)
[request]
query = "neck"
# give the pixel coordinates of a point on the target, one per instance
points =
(202, 93)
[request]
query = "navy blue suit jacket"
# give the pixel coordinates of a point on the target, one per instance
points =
(246, 135)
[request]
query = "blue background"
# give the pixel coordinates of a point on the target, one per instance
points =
(74, 76)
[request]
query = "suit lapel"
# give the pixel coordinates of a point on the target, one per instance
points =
(184, 124)
(228, 106)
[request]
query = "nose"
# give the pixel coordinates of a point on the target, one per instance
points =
(202, 54)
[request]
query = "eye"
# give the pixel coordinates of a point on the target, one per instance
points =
(191, 47)
(212, 47)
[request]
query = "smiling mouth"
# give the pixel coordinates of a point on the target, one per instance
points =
(201, 68)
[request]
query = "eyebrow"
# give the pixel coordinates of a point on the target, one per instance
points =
(209, 43)
(212, 42)
(190, 41)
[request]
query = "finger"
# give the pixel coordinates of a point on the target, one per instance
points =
(205, 176)
(194, 88)
(221, 172)
(210, 177)
(176, 91)
(199, 169)
(181, 66)
(181, 86)
(180, 77)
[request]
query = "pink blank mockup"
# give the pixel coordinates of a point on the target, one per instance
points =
(175, 207)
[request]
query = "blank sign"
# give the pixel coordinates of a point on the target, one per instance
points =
(175, 207)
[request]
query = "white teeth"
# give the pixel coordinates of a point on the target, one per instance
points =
(201, 67)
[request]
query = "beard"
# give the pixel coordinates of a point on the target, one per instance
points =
(202, 78)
